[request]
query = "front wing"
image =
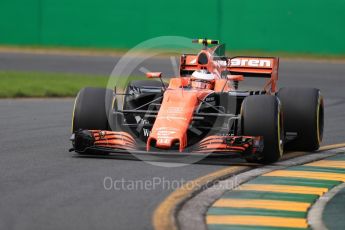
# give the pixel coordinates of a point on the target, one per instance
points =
(101, 141)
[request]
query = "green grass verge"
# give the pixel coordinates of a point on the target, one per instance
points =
(39, 84)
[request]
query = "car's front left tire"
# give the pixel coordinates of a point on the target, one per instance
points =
(261, 116)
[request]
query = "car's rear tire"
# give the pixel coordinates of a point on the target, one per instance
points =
(92, 108)
(303, 112)
(261, 116)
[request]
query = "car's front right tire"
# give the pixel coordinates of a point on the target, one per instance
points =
(92, 108)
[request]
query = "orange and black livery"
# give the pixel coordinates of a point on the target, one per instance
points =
(203, 110)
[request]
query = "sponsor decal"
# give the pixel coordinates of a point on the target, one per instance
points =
(173, 113)
(170, 118)
(173, 109)
(102, 135)
(147, 132)
(221, 63)
(163, 141)
(208, 99)
(192, 62)
(162, 133)
(165, 133)
(252, 62)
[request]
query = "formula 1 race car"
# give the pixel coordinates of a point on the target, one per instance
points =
(201, 111)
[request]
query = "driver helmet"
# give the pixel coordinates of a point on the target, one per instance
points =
(202, 79)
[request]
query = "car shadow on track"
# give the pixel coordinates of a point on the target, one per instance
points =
(214, 160)
(210, 160)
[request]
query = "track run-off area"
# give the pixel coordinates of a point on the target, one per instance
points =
(290, 194)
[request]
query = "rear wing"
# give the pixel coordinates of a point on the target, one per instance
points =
(261, 67)
(266, 67)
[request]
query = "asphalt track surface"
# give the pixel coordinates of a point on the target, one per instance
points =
(43, 186)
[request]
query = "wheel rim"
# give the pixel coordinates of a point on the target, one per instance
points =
(280, 133)
(319, 119)
(75, 102)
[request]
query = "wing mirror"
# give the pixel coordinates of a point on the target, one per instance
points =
(235, 77)
(154, 74)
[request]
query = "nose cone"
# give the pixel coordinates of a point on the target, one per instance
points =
(173, 119)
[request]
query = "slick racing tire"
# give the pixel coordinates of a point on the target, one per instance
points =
(303, 112)
(92, 108)
(261, 116)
